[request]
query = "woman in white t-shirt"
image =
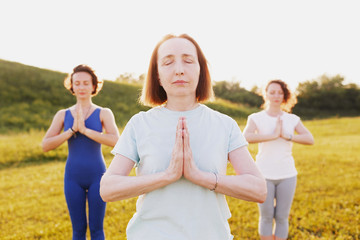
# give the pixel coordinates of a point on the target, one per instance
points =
(273, 128)
(180, 149)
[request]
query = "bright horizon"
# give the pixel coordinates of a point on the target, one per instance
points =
(246, 41)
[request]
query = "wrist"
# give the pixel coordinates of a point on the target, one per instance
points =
(170, 176)
(275, 136)
(216, 182)
(72, 132)
(290, 137)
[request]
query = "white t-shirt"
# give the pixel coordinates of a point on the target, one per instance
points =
(274, 158)
(181, 210)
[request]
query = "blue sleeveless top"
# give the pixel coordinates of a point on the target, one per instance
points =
(85, 159)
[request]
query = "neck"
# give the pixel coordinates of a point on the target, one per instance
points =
(84, 103)
(274, 110)
(181, 104)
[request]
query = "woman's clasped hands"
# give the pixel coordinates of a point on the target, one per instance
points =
(79, 121)
(182, 162)
(279, 131)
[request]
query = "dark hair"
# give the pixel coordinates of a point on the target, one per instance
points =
(289, 100)
(153, 94)
(68, 82)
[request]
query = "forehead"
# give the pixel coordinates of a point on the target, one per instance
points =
(176, 46)
(82, 76)
(274, 86)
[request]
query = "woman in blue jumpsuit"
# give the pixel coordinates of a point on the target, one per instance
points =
(83, 125)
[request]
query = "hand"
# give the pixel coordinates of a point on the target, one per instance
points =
(283, 134)
(190, 168)
(278, 128)
(75, 126)
(176, 166)
(80, 120)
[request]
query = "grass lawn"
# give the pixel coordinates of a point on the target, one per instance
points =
(326, 203)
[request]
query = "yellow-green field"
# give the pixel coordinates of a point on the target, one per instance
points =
(326, 203)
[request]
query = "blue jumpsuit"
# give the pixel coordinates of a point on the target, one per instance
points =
(84, 168)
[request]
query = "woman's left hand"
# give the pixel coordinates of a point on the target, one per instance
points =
(190, 168)
(80, 120)
(285, 135)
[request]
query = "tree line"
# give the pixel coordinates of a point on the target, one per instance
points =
(325, 96)
(30, 96)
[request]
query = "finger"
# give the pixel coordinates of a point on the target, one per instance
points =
(186, 131)
(184, 123)
(178, 140)
(186, 138)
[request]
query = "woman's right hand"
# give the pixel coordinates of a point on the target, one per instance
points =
(278, 128)
(76, 120)
(176, 166)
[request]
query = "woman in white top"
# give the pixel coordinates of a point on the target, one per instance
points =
(180, 149)
(273, 128)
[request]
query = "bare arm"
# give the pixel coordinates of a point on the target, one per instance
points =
(251, 135)
(111, 134)
(304, 136)
(248, 183)
(117, 185)
(53, 137)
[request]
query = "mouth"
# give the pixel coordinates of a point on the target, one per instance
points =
(179, 82)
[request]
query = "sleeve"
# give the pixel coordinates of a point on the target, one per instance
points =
(251, 117)
(296, 120)
(126, 145)
(237, 139)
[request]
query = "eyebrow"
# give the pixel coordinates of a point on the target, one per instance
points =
(182, 55)
(79, 80)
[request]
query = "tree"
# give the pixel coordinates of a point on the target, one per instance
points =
(327, 96)
(130, 78)
(232, 91)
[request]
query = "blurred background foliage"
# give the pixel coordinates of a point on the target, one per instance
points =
(30, 97)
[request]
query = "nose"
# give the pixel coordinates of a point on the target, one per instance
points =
(179, 71)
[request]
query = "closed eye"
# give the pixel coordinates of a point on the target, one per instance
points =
(168, 62)
(188, 59)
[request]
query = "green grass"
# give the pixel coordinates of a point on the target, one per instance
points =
(326, 203)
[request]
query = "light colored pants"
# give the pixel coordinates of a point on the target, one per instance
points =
(282, 191)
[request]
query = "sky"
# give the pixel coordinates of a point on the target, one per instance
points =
(250, 42)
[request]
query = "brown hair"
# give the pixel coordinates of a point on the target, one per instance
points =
(153, 94)
(68, 82)
(289, 100)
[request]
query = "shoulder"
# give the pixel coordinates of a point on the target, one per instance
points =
(143, 116)
(257, 115)
(152, 112)
(215, 113)
(292, 116)
(61, 113)
(218, 116)
(105, 110)
(105, 113)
